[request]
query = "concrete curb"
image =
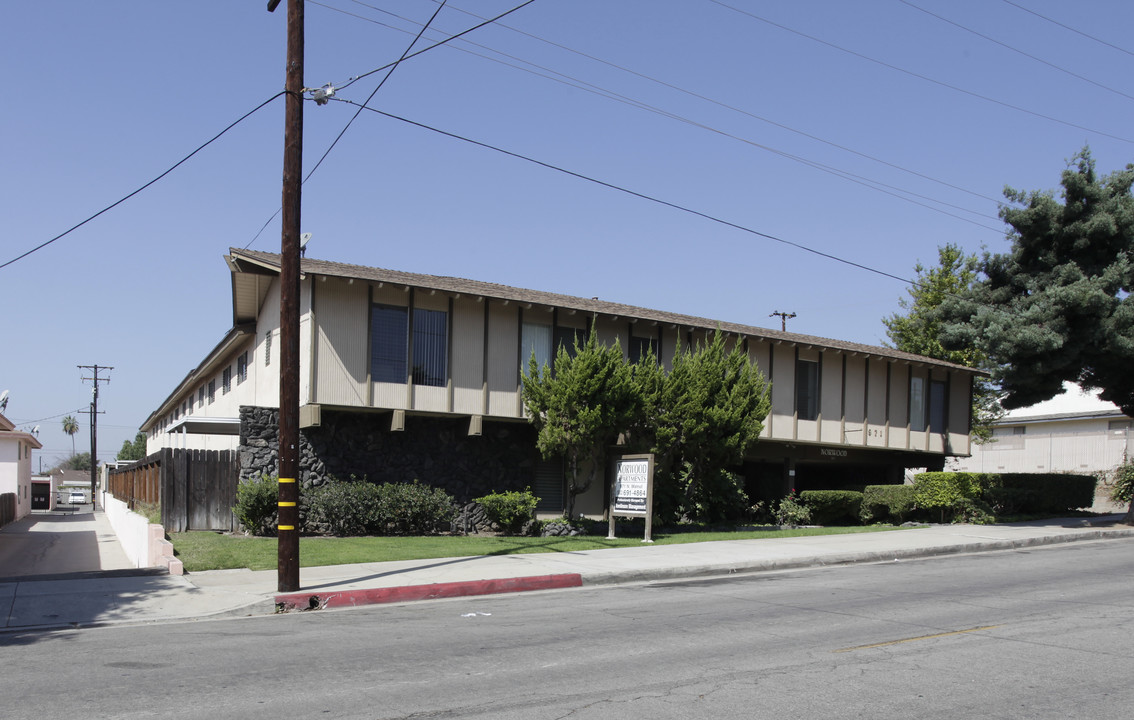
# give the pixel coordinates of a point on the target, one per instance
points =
(303, 601)
(408, 593)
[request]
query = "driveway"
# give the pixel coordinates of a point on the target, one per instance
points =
(57, 542)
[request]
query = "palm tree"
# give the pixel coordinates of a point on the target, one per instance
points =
(71, 426)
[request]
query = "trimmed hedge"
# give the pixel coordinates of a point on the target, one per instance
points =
(832, 507)
(964, 496)
(886, 503)
(358, 507)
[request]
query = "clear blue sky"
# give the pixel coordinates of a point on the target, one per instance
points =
(696, 103)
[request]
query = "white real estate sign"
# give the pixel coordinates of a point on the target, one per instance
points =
(632, 494)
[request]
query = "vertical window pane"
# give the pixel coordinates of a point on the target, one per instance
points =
(535, 339)
(389, 327)
(807, 389)
(430, 347)
(917, 404)
(568, 338)
(937, 406)
(642, 347)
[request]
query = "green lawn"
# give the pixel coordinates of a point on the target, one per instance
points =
(214, 551)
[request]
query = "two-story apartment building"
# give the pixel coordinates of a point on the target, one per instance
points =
(406, 376)
(16, 469)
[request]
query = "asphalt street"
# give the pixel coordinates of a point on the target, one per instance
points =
(1030, 633)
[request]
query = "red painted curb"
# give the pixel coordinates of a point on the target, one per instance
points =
(408, 593)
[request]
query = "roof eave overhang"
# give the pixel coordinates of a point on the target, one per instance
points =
(211, 362)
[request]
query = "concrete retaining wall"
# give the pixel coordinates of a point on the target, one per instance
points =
(144, 542)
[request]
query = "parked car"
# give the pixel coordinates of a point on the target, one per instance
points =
(77, 498)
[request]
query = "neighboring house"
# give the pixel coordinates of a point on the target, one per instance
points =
(1072, 432)
(405, 376)
(16, 468)
(68, 481)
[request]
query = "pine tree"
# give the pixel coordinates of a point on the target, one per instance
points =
(579, 406)
(1057, 306)
(918, 330)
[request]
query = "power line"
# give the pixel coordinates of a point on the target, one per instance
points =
(374, 92)
(143, 187)
(1068, 27)
(1016, 50)
(389, 66)
(876, 185)
(636, 103)
(447, 40)
(733, 108)
(921, 77)
(634, 193)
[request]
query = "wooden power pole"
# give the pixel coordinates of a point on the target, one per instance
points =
(287, 527)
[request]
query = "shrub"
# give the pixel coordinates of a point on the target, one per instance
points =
(1050, 492)
(344, 508)
(412, 509)
(894, 503)
(257, 504)
(509, 510)
(1011, 501)
(791, 512)
(942, 491)
(832, 507)
(1123, 489)
(975, 512)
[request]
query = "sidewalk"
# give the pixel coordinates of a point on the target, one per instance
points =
(140, 596)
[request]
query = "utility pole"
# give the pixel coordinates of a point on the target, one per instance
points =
(287, 535)
(784, 317)
(94, 425)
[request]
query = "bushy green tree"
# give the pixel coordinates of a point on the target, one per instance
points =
(918, 329)
(133, 450)
(705, 414)
(579, 406)
(1057, 306)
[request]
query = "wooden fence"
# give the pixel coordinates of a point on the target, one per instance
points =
(195, 488)
(7, 508)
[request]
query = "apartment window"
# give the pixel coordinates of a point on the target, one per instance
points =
(1118, 425)
(212, 394)
(535, 340)
(226, 380)
(642, 347)
(242, 368)
(938, 405)
(201, 397)
(389, 353)
(430, 347)
(568, 338)
(807, 389)
(389, 333)
(267, 348)
(917, 404)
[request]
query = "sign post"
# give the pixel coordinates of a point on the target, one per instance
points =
(632, 494)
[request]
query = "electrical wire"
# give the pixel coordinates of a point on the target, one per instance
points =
(375, 91)
(633, 193)
(1015, 50)
(1068, 27)
(389, 66)
(176, 165)
(877, 185)
(447, 40)
(663, 83)
(926, 78)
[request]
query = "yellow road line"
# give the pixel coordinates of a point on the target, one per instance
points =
(912, 639)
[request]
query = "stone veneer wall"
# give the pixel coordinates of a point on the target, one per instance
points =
(437, 451)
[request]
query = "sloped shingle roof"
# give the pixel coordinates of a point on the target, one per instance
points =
(478, 288)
